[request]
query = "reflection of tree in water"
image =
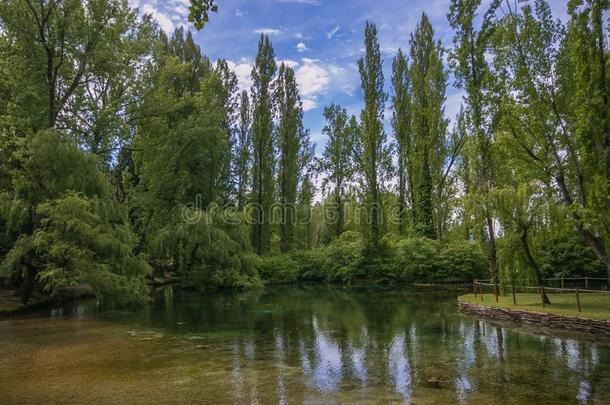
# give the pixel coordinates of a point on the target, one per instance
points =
(321, 344)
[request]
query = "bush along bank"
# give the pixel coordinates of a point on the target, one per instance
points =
(347, 259)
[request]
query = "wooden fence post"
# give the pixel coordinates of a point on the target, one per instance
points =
(513, 289)
(542, 296)
(586, 283)
(481, 291)
(496, 291)
(562, 284)
(578, 299)
(474, 287)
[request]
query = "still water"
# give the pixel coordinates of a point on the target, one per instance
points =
(292, 345)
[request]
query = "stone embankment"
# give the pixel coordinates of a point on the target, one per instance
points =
(596, 327)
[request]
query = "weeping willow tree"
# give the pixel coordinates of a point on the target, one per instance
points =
(70, 230)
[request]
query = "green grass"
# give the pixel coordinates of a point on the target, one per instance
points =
(594, 305)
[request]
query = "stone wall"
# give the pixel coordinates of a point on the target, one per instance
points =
(596, 327)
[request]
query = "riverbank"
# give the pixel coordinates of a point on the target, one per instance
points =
(10, 300)
(593, 321)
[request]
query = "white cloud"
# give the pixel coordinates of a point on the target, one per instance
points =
(298, 35)
(313, 79)
(268, 31)
(243, 71)
(331, 34)
(239, 13)
(164, 21)
(288, 62)
(301, 47)
(309, 104)
(182, 11)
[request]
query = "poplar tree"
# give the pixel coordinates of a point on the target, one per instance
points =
(372, 137)
(242, 152)
(289, 134)
(427, 156)
(401, 124)
(263, 157)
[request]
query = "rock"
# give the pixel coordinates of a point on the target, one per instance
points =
(434, 382)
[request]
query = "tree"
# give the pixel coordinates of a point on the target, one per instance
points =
(536, 59)
(374, 151)
(82, 58)
(337, 160)
(71, 230)
(471, 71)
(242, 152)
(289, 134)
(401, 123)
(305, 225)
(263, 157)
(429, 151)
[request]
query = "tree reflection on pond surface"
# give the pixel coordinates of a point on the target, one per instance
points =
(292, 345)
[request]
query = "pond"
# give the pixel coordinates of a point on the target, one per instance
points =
(292, 345)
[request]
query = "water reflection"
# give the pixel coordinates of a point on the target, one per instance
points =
(327, 344)
(399, 367)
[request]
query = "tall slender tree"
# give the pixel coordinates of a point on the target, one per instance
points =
(374, 150)
(242, 152)
(401, 123)
(429, 126)
(289, 134)
(263, 75)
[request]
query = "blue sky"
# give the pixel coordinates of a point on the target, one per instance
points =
(321, 39)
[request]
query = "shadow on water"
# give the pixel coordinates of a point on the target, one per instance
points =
(292, 344)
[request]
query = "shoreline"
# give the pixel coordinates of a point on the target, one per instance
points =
(596, 328)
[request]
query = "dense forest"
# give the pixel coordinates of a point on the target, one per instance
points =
(128, 156)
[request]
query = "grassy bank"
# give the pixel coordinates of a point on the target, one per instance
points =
(594, 305)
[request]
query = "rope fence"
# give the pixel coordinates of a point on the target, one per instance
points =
(478, 289)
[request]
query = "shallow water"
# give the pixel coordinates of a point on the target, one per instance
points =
(292, 345)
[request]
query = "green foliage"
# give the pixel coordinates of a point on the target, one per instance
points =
(462, 261)
(83, 240)
(279, 269)
(209, 252)
(428, 152)
(199, 12)
(347, 259)
(569, 256)
(263, 157)
(71, 230)
(373, 159)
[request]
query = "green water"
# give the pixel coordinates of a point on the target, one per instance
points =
(292, 345)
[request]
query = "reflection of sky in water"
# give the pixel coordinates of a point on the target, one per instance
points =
(327, 369)
(493, 340)
(465, 362)
(237, 377)
(280, 356)
(399, 367)
(358, 356)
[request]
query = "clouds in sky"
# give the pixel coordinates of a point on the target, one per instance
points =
(329, 33)
(268, 31)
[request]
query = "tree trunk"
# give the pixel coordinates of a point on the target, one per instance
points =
(532, 261)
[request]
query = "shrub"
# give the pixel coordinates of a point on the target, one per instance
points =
(279, 269)
(461, 261)
(569, 256)
(416, 259)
